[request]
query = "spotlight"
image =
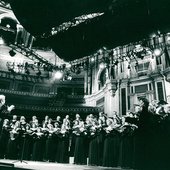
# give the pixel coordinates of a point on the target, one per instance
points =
(58, 75)
(8, 26)
(157, 52)
(69, 78)
(92, 59)
(68, 65)
(168, 39)
(102, 65)
(12, 53)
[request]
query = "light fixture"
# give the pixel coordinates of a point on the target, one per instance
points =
(69, 77)
(102, 65)
(168, 39)
(157, 52)
(8, 26)
(58, 75)
(92, 59)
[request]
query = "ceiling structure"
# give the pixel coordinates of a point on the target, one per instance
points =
(75, 28)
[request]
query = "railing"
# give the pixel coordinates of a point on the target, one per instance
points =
(58, 109)
(75, 96)
(24, 93)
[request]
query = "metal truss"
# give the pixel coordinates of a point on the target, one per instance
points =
(31, 54)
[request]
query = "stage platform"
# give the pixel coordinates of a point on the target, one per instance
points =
(30, 165)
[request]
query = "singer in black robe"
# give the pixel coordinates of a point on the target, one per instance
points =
(111, 149)
(62, 155)
(143, 137)
(127, 147)
(4, 138)
(38, 146)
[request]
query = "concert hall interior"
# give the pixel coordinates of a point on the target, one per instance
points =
(85, 84)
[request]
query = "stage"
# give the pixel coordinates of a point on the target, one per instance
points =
(31, 165)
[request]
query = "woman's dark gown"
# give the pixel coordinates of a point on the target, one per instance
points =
(111, 149)
(93, 150)
(4, 141)
(164, 145)
(12, 147)
(127, 147)
(27, 146)
(50, 147)
(38, 147)
(79, 152)
(96, 148)
(143, 140)
(62, 155)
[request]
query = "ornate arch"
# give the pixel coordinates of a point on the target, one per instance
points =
(9, 15)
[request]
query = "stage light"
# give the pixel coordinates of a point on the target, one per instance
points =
(8, 26)
(58, 75)
(12, 53)
(68, 65)
(69, 78)
(168, 38)
(92, 59)
(102, 65)
(157, 52)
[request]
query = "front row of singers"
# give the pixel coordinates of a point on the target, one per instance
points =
(134, 141)
(97, 139)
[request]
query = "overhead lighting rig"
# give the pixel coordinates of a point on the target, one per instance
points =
(134, 51)
(40, 64)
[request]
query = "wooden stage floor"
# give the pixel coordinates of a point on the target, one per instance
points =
(30, 165)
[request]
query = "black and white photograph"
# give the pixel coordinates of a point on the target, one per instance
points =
(84, 84)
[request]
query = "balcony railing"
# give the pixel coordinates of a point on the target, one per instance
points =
(24, 93)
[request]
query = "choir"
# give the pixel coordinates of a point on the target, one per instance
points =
(138, 140)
